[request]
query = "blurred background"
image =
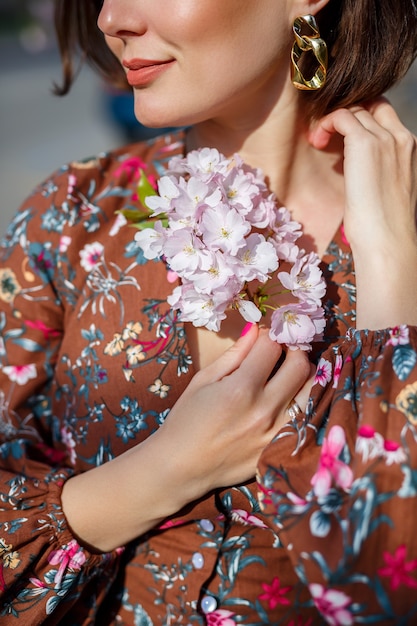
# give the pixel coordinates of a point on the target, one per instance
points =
(40, 131)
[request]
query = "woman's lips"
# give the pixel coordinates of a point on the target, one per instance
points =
(141, 72)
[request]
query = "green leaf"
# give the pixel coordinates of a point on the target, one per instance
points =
(134, 215)
(145, 188)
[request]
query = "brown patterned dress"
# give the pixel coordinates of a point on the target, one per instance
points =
(92, 358)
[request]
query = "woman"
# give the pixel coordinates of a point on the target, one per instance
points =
(103, 523)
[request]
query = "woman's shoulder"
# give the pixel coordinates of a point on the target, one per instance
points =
(151, 155)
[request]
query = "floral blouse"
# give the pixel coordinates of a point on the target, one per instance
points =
(92, 358)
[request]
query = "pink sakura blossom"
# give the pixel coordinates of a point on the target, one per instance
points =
(323, 372)
(70, 556)
(199, 309)
(332, 604)
(239, 515)
(256, 259)
(220, 618)
(185, 251)
(399, 336)
(274, 594)
(203, 217)
(241, 188)
(152, 240)
(248, 310)
(206, 161)
(168, 191)
(398, 570)
(224, 229)
(305, 279)
(20, 374)
(330, 466)
(296, 325)
(91, 255)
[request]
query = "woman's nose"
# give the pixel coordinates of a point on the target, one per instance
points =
(121, 18)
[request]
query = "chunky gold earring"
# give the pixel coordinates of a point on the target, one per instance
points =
(307, 39)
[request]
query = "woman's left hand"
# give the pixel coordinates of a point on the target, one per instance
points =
(380, 172)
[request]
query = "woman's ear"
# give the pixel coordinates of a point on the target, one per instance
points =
(307, 7)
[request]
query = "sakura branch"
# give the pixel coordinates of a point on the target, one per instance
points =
(219, 228)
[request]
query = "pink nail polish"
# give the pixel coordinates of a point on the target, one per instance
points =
(246, 329)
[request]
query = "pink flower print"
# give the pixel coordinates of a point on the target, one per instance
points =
(274, 594)
(46, 331)
(64, 243)
(39, 584)
(70, 556)
(369, 443)
(337, 370)
(72, 182)
(220, 618)
(91, 255)
(332, 604)
(393, 452)
(399, 336)
(323, 372)
(131, 167)
(398, 569)
(20, 374)
(330, 466)
(239, 515)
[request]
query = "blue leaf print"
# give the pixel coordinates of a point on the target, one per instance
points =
(403, 361)
(28, 344)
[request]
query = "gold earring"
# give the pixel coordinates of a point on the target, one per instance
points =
(310, 42)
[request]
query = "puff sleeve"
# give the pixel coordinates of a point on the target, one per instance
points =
(339, 484)
(43, 569)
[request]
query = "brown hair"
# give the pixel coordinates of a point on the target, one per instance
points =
(371, 44)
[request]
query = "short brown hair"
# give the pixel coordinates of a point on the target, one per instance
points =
(371, 43)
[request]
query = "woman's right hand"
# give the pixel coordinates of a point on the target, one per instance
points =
(212, 437)
(230, 411)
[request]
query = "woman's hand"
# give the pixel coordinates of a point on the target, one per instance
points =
(212, 437)
(380, 170)
(231, 410)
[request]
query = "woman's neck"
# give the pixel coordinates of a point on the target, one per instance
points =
(307, 181)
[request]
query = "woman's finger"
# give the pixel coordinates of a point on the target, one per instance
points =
(288, 381)
(229, 361)
(343, 121)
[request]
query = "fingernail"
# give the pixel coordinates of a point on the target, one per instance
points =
(246, 329)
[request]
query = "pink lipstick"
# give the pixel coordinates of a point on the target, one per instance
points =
(141, 72)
